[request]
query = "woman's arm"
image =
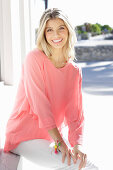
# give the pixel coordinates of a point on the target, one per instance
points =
(63, 148)
(75, 120)
(36, 91)
(54, 133)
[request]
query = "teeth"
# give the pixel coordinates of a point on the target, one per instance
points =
(57, 40)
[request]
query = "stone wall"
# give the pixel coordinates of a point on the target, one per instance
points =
(94, 53)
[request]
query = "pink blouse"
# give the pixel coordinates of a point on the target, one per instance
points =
(47, 97)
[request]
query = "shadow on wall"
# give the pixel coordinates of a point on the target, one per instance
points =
(98, 78)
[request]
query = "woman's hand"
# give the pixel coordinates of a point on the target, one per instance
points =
(65, 152)
(77, 154)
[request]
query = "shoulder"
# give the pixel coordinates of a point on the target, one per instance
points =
(35, 57)
(76, 67)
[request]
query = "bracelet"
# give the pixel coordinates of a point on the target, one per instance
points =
(57, 144)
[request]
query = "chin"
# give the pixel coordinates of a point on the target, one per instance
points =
(58, 47)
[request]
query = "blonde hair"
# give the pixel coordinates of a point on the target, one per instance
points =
(68, 49)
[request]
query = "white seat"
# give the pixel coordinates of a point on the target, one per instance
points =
(39, 154)
(25, 164)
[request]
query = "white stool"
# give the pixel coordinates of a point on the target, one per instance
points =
(39, 154)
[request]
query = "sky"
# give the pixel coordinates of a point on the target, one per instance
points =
(81, 11)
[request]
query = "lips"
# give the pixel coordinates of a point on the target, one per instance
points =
(57, 41)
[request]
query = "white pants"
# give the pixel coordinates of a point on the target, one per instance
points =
(41, 152)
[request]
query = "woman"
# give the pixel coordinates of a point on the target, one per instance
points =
(49, 96)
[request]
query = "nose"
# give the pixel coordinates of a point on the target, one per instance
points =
(56, 33)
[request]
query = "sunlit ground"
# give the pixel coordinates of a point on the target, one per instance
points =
(98, 111)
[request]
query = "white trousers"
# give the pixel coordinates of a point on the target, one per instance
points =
(41, 152)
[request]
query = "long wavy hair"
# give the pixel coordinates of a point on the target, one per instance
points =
(43, 45)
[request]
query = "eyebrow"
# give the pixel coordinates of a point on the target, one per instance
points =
(52, 27)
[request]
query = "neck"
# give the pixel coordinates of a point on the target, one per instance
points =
(57, 56)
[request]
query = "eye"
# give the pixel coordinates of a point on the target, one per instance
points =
(61, 28)
(49, 30)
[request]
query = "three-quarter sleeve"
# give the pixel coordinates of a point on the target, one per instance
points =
(76, 126)
(35, 91)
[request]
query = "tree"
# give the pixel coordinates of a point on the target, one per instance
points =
(88, 27)
(95, 29)
(106, 28)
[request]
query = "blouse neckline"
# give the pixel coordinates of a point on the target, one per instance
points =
(60, 68)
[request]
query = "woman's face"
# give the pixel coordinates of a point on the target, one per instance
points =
(56, 33)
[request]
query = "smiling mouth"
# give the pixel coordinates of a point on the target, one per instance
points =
(57, 41)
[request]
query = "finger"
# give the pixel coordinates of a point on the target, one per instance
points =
(85, 161)
(63, 157)
(74, 157)
(82, 161)
(80, 155)
(68, 158)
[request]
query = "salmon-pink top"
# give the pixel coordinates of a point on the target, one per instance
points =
(47, 97)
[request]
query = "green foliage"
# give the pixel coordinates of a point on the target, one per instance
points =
(79, 27)
(85, 32)
(107, 28)
(79, 31)
(96, 29)
(99, 25)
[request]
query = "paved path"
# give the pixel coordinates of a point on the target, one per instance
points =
(98, 111)
(98, 77)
